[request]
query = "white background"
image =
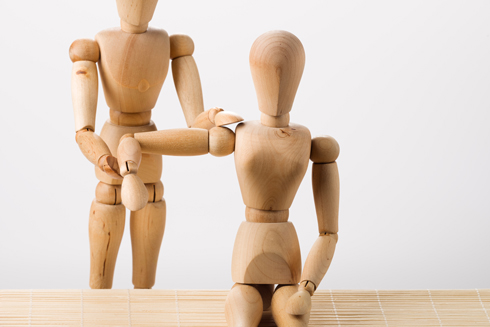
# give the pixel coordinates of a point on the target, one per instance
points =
(403, 86)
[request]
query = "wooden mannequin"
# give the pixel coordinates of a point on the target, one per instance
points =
(271, 158)
(133, 61)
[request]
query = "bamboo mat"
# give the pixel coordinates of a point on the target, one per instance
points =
(206, 308)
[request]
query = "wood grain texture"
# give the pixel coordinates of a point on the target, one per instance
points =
(133, 68)
(106, 227)
(84, 93)
(92, 146)
(150, 169)
(277, 60)
(130, 119)
(271, 163)
(136, 12)
(324, 149)
(266, 216)
(188, 87)
(175, 142)
(84, 49)
(108, 194)
(206, 119)
(108, 164)
(133, 29)
(319, 259)
(243, 307)
(266, 291)
(274, 121)
(326, 192)
(191, 308)
(181, 45)
(299, 303)
(128, 150)
(221, 141)
(147, 227)
(266, 253)
(134, 194)
(279, 304)
(155, 191)
(307, 286)
(223, 118)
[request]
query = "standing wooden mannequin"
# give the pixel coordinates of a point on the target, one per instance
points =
(133, 62)
(271, 158)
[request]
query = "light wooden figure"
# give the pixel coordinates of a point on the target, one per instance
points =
(271, 159)
(132, 62)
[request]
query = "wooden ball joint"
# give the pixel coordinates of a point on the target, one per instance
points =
(132, 63)
(271, 159)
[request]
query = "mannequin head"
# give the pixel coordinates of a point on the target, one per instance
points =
(136, 13)
(277, 60)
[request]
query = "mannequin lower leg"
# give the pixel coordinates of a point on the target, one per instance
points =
(147, 227)
(106, 227)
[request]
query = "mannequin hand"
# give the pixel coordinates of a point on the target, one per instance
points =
(108, 164)
(226, 118)
(205, 119)
(299, 303)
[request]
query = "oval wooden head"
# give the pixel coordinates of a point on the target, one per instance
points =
(277, 60)
(136, 12)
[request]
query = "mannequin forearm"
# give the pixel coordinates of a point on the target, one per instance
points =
(219, 141)
(319, 259)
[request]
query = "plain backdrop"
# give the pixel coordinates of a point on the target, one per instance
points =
(402, 85)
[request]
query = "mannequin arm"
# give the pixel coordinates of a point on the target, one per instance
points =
(84, 90)
(218, 141)
(186, 77)
(324, 152)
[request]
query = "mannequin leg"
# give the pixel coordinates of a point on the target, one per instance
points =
(106, 227)
(147, 227)
(244, 306)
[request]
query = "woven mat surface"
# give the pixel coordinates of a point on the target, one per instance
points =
(206, 308)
